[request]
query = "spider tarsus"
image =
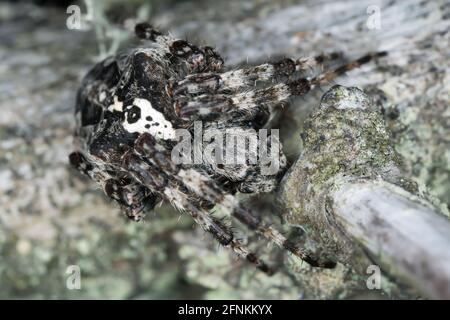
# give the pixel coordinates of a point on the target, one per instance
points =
(307, 256)
(146, 31)
(314, 262)
(252, 258)
(331, 75)
(327, 57)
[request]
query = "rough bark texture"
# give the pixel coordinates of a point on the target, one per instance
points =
(51, 218)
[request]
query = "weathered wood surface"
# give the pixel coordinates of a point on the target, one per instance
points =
(409, 239)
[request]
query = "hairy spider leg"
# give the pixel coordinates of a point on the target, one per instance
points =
(133, 198)
(245, 105)
(233, 80)
(168, 188)
(197, 59)
(333, 74)
(206, 189)
(245, 78)
(322, 60)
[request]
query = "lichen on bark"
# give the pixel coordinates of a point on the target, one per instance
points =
(345, 140)
(345, 137)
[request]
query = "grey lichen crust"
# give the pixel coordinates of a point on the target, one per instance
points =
(345, 138)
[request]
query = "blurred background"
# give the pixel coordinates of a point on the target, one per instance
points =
(55, 223)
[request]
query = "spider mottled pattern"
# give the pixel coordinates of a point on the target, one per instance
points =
(129, 107)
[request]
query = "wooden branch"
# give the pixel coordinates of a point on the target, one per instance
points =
(348, 189)
(407, 238)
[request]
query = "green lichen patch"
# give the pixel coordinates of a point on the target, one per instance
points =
(345, 138)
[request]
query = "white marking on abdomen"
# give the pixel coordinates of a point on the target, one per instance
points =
(150, 120)
(116, 106)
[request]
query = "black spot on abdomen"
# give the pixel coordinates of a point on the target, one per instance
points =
(134, 114)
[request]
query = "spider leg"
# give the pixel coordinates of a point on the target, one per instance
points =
(206, 189)
(197, 59)
(155, 179)
(331, 75)
(216, 227)
(132, 197)
(235, 80)
(255, 223)
(243, 106)
(246, 105)
(322, 60)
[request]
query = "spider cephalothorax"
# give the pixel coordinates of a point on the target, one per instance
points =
(130, 107)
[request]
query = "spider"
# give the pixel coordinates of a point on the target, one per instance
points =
(129, 107)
